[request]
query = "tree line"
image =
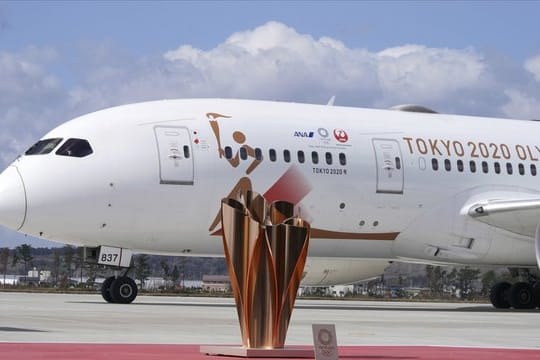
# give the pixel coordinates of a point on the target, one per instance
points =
(67, 263)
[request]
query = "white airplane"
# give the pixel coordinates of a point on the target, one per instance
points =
(376, 186)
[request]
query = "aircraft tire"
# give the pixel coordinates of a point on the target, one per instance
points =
(106, 289)
(499, 295)
(124, 290)
(536, 289)
(523, 296)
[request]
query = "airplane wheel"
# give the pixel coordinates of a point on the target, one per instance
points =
(499, 295)
(522, 296)
(124, 290)
(106, 289)
(536, 289)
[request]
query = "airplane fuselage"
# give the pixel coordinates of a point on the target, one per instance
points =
(372, 183)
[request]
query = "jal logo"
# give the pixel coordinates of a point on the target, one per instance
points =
(303, 134)
(341, 135)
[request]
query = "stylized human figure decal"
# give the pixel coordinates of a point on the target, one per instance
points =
(292, 186)
(244, 184)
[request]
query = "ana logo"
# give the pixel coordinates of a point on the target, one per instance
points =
(303, 134)
(341, 135)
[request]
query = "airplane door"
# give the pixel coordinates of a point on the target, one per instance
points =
(389, 166)
(175, 155)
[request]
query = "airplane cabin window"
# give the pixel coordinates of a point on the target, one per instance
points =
(272, 154)
(75, 148)
(301, 157)
(43, 146)
(287, 155)
(447, 165)
(258, 154)
(435, 164)
(485, 167)
(509, 169)
(186, 152)
(328, 158)
(460, 165)
(521, 169)
(497, 168)
(228, 152)
(314, 157)
(533, 170)
(472, 166)
(398, 163)
(243, 153)
(342, 159)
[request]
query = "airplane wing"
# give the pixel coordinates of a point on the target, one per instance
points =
(520, 216)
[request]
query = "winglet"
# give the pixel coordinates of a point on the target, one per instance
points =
(331, 101)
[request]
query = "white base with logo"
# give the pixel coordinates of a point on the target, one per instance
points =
(325, 341)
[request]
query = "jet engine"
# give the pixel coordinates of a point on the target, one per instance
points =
(339, 271)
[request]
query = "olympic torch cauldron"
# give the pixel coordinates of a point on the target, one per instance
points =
(266, 248)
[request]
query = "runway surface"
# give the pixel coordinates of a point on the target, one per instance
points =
(83, 320)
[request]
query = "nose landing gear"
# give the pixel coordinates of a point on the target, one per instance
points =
(118, 289)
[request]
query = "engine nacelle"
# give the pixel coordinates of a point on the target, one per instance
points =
(338, 271)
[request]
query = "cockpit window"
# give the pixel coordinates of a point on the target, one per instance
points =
(75, 148)
(44, 146)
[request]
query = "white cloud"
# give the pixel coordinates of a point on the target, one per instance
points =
(521, 105)
(274, 61)
(266, 51)
(414, 73)
(30, 98)
(532, 65)
(23, 76)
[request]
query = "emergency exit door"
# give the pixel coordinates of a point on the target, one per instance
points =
(389, 166)
(175, 155)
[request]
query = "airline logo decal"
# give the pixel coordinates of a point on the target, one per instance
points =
(323, 133)
(341, 135)
(304, 134)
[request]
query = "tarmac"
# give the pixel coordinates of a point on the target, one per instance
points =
(33, 325)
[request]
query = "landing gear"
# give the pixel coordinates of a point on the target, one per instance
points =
(499, 295)
(119, 290)
(106, 289)
(521, 295)
(123, 290)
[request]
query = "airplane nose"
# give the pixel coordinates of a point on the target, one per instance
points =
(12, 199)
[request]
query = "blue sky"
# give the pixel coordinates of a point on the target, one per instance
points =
(62, 59)
(149, 27)
(146, 28)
